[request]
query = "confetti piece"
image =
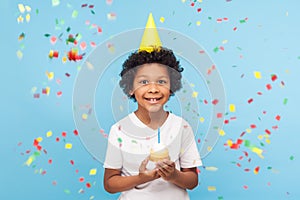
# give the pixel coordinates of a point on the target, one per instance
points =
(292, 157)
(74, 13)
(49, 134)
(84, 116)
(88, 185)
(285, 100)
(221, 132)
(53, 54)
(273, 77)
(211, 188)
(202, 119)
(257, 75)
(55, 2)
(231, 107)
(50, 75)
(27, 17)
(211, 168)
(162, 19)
(21, 36)
(68, 146)
(194, 94)
(268, 86)
(256, 170)
(111, 16)
(81, 179)
(20, 54)
(93, 172)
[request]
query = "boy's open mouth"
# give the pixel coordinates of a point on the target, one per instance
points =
(153, 100)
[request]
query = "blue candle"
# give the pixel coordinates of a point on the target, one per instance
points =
(158, 135)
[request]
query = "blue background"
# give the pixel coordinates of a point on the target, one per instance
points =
(267, 41)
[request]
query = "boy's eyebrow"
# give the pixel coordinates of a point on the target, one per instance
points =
(145, 76)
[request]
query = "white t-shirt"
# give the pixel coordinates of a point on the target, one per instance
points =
(129, 143)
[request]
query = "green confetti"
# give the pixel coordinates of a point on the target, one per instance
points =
(285, 100)
(47, 35)
(119, 140)
(247, 143)
(93, 12)
(216, 49)
(68, 29)
(74, 13)
(67, 191)
(291, 157)
(242, 21)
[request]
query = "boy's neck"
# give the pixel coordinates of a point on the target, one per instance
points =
(152, 119)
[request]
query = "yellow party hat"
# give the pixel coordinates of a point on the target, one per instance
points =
(150, 39)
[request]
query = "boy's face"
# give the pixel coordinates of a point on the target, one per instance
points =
(151, 86)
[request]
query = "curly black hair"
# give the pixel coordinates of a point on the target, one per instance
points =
(160, 55)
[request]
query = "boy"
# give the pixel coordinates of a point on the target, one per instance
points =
(150, 78)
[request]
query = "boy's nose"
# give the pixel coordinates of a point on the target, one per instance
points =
(153, 87)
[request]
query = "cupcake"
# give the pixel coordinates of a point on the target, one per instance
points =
(159, 152)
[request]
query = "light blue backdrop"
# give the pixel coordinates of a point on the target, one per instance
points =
(241, 37)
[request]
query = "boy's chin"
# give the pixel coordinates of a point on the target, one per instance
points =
(155, 108)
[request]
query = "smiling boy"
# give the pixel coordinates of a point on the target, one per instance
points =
(150, 79)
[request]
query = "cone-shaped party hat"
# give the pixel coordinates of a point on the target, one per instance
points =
(150, 39)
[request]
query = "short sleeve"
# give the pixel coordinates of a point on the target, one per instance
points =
(113, 158)
(189, 156)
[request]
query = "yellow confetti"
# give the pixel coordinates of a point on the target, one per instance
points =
(224, 41)
(21, 8)
(229, 142)
(27, 17)
(258, 151)
(268, 141)
(49, 134)
(64, 59)
(90, 66)
(39, 139)
(260, 137)
(202, 119)
(248, 130)
(221, 132)
(55, 2)
(84, 116)
(211, 168)
(211, 188)
(198, 23)
(68, 146)
(47, 90)
(74, 13)
(20, 54)
(195, 94)
(162, 19)
(257, 75)
(231, 107)
(28, 8)
(29, 160)
(209, 148)
(20, 19)
(50, 75)
(93, 171)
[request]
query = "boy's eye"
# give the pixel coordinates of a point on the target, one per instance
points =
(162, 82)
(144, 82)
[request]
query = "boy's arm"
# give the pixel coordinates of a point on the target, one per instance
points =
(114, 182)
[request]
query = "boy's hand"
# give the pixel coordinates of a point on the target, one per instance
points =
(166, 169)
(147, 175)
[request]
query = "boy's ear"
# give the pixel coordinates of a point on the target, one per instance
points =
(131, 92)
